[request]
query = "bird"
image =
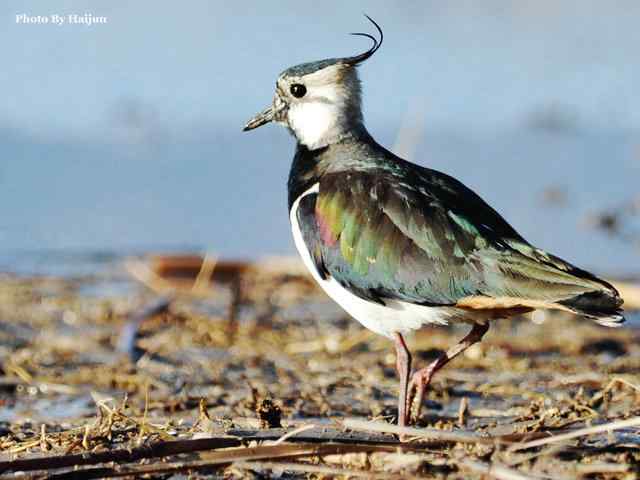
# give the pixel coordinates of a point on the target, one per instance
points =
(399, 246)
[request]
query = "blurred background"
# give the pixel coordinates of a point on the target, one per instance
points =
(125, 137)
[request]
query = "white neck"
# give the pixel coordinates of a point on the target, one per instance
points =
(316, 123)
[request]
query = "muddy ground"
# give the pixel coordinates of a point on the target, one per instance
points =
(215, 380)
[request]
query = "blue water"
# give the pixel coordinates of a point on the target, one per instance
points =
(221, 195)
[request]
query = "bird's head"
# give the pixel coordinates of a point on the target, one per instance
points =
(320, 101)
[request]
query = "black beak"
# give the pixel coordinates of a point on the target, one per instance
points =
(260, 119)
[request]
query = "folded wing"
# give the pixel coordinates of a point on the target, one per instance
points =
(432, 241)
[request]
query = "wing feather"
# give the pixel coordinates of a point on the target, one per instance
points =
(431, 241)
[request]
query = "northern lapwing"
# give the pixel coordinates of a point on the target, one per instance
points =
(398, 245)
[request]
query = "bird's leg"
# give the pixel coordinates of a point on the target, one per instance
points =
(422, 378)
(403, 364)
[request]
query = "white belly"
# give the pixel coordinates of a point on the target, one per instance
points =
(395, 316)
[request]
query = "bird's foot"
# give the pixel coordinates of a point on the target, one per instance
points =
(420, 380)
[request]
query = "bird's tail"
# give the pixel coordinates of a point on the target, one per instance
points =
(593, 297)
(603, 306)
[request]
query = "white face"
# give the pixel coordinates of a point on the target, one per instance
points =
(322, 115)
(314, 121)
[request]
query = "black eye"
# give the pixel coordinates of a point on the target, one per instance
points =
(298, 90)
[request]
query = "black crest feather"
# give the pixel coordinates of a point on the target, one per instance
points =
(357, 59)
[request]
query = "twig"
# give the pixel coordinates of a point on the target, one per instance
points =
(607, 427)
(160, 449)
(226, 457)
(201, 271)
(462, 411)
(623, 381)
(293, 433)
(202, 283)
(166, 448)
(145, 275)
(290, 450)
(319, 434)
(459, 436)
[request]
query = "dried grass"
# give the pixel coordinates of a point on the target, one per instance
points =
(557, 400)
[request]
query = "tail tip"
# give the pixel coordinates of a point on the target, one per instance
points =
(613, 321)
(601, 306)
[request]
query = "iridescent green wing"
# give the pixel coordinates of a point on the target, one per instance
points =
(422, 237)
